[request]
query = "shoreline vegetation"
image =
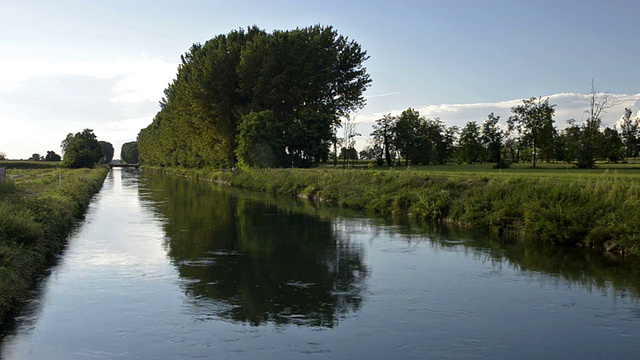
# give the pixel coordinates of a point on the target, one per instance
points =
(592, 209)
(38, 210)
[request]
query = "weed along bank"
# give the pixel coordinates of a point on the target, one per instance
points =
(588, 209)
(37, 212)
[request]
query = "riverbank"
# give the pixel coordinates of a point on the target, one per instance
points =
(594, 210)
(38, 209)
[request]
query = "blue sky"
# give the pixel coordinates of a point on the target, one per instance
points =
(70, 65)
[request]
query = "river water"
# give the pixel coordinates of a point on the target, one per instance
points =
(168, 268)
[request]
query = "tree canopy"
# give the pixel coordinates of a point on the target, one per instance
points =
(81, 149)
(107, 152)
(129, 152)
(52, 156)
(291, 87)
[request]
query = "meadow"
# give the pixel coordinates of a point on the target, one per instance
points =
(37, 212)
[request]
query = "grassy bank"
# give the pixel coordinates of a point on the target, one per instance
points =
(597, 209)
(36, 215)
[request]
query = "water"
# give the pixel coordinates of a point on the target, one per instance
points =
(167, 268)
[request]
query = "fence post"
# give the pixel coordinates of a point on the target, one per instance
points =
(3, 174)
(60, 180)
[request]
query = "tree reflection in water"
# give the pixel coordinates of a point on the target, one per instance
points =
(255, 261)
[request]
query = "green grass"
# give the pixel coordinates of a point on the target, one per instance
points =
(26, 164)
(36, 215)
(589, 208)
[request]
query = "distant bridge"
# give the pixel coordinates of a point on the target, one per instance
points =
(124, 166)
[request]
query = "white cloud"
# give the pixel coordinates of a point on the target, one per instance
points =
(138, 79)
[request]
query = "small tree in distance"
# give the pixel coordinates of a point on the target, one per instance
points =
(52, 156)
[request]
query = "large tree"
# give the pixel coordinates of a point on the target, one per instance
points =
(384, 138)
(469, 145)
(629, 129)
(492, 138)
(533, 120)
(590, 129)
(81, 149)
(308, 79)
(129, 152)
(107, 152)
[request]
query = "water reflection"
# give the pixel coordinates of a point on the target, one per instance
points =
(253, 261)
(594, 270)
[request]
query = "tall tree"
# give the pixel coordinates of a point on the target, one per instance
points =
(610, 146)
(590, 129)
(81, 149)
(533, 120)
(406, 134)
(384, 137)
(107, 152)
(129, 152)
(492, 138)
(307, 78)
(469, 146)
(629, 129)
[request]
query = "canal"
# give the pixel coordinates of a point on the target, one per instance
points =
(169, 268)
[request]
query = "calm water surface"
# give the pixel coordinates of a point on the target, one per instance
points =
(166, 268)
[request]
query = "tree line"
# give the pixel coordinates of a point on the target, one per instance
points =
(530, 135)
(256, 99)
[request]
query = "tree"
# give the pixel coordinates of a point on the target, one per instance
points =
(590, 129)
(107, 152)
(129, 152)
(81, 150)
(492, 138)
(3, 155)
(349, 124)
(406, 134)
(610, 146)
(52, 156)
(533, 120)
(629, 130)
(258, 142)
(35, 157)
(469, 146)
(384, 137)
(309, 79)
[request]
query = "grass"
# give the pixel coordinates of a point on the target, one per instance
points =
(36, 215)
(27, 164)
(563, 206)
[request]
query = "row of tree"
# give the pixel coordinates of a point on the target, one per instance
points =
(253, 98)
(530, 135)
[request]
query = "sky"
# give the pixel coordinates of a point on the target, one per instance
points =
(103, 64)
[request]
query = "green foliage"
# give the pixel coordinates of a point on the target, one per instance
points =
(306, 78)
(52, 156)
(533, 120)
(107, 152)
(469, 145)
(129, 152)
(81, 150)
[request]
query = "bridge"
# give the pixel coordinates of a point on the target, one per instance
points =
(124, 166)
